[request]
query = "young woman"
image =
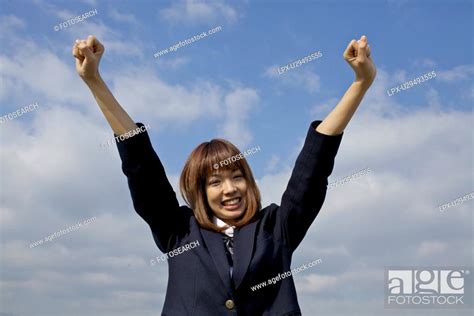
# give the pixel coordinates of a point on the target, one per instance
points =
(222, 243)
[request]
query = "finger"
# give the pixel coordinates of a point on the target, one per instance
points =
(91, 42)
(362, 49)
(368, 50)
(85, 50)
(95, 45)
(79, 63)
(78, 56)
(77, 53)
(350, 49)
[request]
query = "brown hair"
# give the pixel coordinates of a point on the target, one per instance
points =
(201, 163)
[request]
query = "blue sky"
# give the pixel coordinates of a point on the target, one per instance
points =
(418, 143)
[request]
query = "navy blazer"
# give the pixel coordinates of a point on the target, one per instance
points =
(199, 282)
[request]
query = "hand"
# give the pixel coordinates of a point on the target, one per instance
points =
(88, 54)
(357, 54)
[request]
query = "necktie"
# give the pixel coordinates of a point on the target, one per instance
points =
(229, 245)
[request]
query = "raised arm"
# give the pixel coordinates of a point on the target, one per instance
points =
(153, 197)
(88, 54)
(357, 55)
(306, 190)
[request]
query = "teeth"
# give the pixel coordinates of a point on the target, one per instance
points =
(231, 202)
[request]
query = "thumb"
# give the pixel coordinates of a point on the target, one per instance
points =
(362, 49)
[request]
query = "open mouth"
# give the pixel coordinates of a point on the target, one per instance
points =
(232, 204)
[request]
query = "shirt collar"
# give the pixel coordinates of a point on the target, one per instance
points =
(230, 229)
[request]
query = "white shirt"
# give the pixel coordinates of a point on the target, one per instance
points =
(229, 231)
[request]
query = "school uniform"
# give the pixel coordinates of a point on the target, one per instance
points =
(201, 281)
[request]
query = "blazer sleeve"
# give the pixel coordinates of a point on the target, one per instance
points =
(153, 196)
(306, 190)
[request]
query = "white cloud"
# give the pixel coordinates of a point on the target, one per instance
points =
(321, 110)
(271, 165)
(146, 95)
(461, 72)
(299, 77)
(433, 98)
(198, 11)
(113, 41)
(400, 75)
(424, 63)
(173, 63)
(90, 2)
(429, 248)
(239, 104)
(123, 17)
(43, 74)
(9, 23)
(315, 283)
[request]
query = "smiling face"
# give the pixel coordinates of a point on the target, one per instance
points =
(226, 191)
(208, 190)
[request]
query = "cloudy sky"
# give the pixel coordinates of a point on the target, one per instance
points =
(417, 143)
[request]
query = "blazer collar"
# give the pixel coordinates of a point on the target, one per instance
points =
(243, 248)
(215, 245)
(244, 238)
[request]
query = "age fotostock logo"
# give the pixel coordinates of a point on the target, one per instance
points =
(433, 287)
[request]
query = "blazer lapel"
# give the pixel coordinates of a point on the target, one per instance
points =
(215, 244)
(243, 248)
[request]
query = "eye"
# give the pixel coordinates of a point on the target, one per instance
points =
(239, 176)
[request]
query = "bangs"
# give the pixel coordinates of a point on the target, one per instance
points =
(217, 157)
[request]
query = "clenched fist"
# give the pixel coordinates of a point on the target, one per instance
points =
(88, 54)
(357, 54)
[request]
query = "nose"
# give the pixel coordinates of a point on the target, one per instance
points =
(229, 186)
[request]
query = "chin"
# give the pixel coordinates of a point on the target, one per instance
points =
(233, 215)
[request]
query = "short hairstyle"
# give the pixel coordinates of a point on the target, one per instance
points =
(202, 162)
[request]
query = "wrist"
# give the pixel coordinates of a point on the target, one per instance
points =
(93, 81)
(363, 84)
